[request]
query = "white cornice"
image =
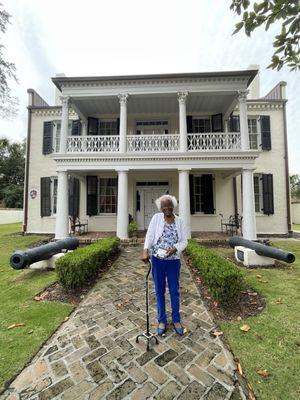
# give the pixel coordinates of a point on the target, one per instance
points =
(51, 112)
(262, 106)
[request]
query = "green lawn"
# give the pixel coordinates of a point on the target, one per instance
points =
(16, 291)
(296, 227)
(273, 342)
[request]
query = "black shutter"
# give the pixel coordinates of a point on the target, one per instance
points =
(76, 127)
(91, 193)
(234, 123)
(208, 195)
(268, 197)
(192, 199)
(48, 137)
(92, 126)
(74, 197)
(189, 123)
(217, 123)
(118, 126)
(45, 197)
(265, 128)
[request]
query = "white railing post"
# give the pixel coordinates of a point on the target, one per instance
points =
(182, 120)
(123, 121)
(242, 97)
(65, 101)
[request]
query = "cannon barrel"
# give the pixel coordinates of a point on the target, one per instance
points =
(21, 259)
(262, 250)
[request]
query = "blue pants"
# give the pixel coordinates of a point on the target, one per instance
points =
(170, 269)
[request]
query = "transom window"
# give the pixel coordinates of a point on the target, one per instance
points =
(156, 127)
(108, 127)
(201, 125)
(108, 192)
(258, 193)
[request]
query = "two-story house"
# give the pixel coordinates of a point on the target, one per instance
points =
(112, 145)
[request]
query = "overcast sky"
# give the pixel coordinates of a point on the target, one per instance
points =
(117, 37)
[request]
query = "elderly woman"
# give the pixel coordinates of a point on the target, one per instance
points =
(166, 238)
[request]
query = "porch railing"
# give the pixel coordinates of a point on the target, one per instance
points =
(215, 141)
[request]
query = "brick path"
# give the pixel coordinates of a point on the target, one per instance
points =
(94, 354)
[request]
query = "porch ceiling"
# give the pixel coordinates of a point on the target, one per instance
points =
(153, 104)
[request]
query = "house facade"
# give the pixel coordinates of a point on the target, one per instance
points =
(112, 145)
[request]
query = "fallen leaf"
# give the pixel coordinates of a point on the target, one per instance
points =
(279, 301)
(258, 276)
(66, 319)
(238, 318)
(264, 281)
(245, 328)
(240, 369)
(217, 333)
(82, 296)
(263, 372)
(251, 396)
(185, 330)
(249, 386)
(16, 325)
(253, 302)
(29, 332)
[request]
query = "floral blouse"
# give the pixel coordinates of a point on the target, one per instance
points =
(167, 240)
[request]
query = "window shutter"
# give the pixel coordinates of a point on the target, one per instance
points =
(118, 126)
(91, 191)
(217, 122)
(92, 126)
(76, 128)
(45, 197)
(48, 137)
(189, 123)
(265, 128)
(192, 200)
(74, 197)
(208, 196)
(268, 197)
(234, 123)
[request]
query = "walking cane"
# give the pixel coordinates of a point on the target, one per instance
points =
(147, 334)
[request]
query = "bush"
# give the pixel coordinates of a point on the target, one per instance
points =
(132, 229)
(76, 268)
(224, 280)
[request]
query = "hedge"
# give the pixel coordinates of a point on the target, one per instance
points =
(224, 280)
(77, 267)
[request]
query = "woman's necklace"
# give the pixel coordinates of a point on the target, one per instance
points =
(170, 219)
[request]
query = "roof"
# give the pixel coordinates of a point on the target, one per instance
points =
(59, 80)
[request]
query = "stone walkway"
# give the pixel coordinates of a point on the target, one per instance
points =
(94, 354)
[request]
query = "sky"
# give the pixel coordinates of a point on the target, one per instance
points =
(117, 37)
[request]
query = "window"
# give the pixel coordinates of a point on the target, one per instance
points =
(53, 194)
(253, 129)
(108, 127)
(156, 127)
(198, 193)
(56, 134)
(258, 193)
(108, 189)
(201, 125)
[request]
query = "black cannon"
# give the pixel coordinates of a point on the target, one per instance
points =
(21, 259)
(262, 250)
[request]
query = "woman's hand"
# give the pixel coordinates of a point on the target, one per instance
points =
(145, 256)
(171, 252)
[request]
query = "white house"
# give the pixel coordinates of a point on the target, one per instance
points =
(112, 145)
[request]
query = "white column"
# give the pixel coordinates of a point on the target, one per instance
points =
(249, 220)
(182, 121)
(184, 199)
(123, 122)
(242, 97)
(122, 213)
(62, 212)
(65, 101)
(84, 127)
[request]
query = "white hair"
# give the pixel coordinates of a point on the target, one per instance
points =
(163, 198)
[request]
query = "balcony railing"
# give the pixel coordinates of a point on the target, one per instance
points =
(170, 143)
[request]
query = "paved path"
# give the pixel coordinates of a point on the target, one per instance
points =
(94, 354)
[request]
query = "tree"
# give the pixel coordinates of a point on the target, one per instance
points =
(8, 103)
(266, 12)
(12, 165)
(295, 185)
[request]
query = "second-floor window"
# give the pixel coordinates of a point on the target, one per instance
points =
(108, 127)
(56, 134)
(201, 125)
(254, 133)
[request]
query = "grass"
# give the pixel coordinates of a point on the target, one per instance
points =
(273, 342)
(296, 227)
(17, 287)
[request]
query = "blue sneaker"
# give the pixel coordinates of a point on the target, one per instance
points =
(161, 331)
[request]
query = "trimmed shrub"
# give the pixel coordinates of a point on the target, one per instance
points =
(224, 280)
(76, 268)
(132, 229)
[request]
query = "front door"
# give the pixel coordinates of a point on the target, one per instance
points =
(147, 207)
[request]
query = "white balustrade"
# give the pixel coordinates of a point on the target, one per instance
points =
(93, 144)
(152, 143)
(214, 141)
